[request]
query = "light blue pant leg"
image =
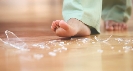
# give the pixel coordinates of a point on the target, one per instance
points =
(117, 10)
(87, 11)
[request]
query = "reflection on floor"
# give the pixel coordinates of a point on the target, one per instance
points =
(28, 44)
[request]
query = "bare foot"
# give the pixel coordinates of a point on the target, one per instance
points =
(114, 26)
(71, 28)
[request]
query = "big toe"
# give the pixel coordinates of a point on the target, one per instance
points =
(108, 25)
(63, 25)
(109, 28)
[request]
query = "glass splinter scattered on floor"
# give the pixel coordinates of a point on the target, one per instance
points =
(58, 46)
(14, 41)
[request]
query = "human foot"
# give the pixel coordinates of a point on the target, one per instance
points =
(114, 26)
(71, 28)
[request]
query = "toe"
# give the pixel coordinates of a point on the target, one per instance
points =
(124, 26)
(109, 28)
(52, 28)
(57, 22)
(119, 26)
(64, 25)
(116, 27)
(53, 25)
(109, 25)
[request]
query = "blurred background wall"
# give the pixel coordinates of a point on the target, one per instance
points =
(30, 10)
(29, 17)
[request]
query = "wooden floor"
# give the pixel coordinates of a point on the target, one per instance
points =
(28, 44)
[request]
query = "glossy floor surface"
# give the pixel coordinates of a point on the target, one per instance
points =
(28, 44)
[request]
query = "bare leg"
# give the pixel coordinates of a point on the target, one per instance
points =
(71, 28)
(114, 26)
